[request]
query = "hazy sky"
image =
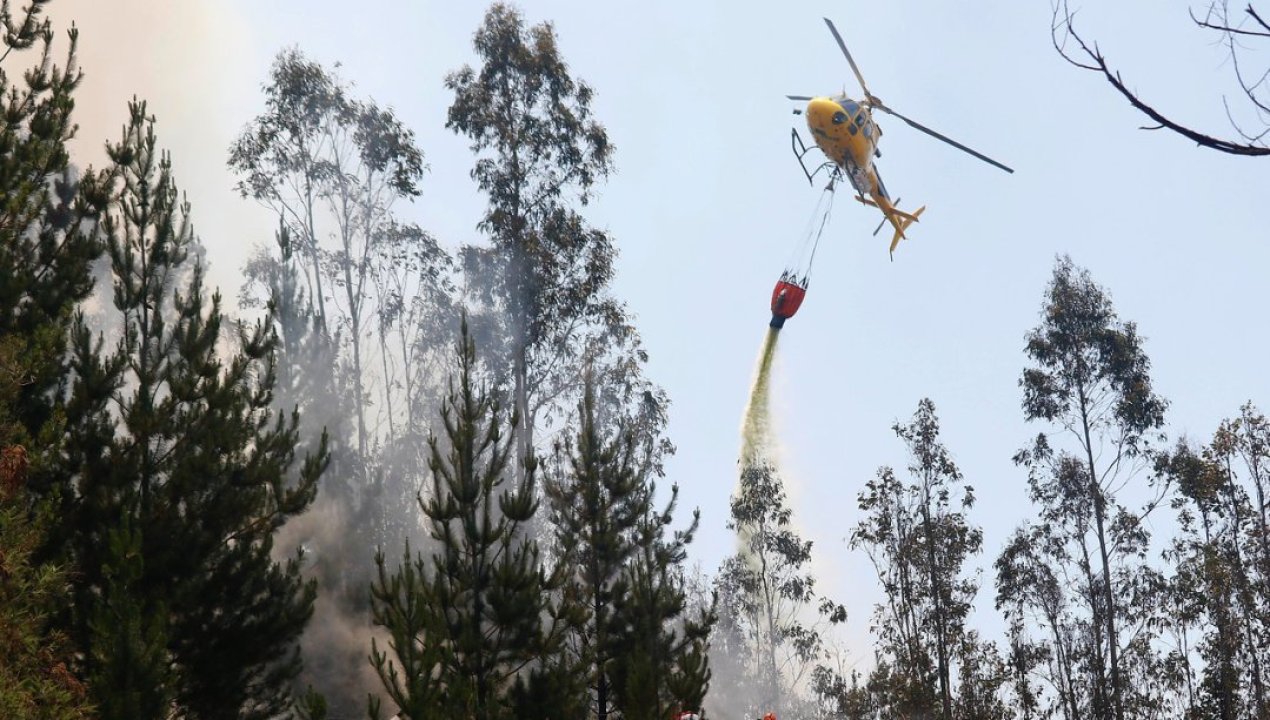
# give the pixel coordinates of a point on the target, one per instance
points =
(707, 203)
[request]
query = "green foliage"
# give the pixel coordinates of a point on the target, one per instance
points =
(763, 642)
(178, 476)
(362, 306)
(597, 497)
(311, 705)
(1078, 573)
(1219, 616)
(46, 217)
(35, 679)
(46, 248)
(401, 604)
(332, 167)
(542, 286)
(130, 674)
(662, 657)
(473, 627)
(1088, 364)
(635, 645)
(919, 539)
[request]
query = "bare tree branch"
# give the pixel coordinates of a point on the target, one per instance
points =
(1225, 27)
(1063, 30)
(1253, 13)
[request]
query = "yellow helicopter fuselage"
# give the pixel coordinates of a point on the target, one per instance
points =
(845, 131)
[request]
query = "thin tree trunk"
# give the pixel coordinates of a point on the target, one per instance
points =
(1246, 602)
(1100, 511)
(1254, 641)
(601, 674)
(941, 625)
(769, 603)
(383, 359)
(354, 313)
(409, 379)
(311, 230)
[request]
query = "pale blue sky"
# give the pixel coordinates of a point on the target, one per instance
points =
(707, 203)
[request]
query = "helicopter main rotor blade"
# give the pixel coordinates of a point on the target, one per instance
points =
(851, 60)
(945, 138)
(803, 98)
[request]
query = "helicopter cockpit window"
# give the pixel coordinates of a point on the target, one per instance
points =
(839, 118)
(859, 119)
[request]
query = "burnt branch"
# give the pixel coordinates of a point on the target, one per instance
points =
(1074, 49)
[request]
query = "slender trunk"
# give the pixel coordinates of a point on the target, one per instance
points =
(312, 244)
(355, 316)
(524, 438)
(941, 625)
(1066, 687)
(598, 574)
(767, 636)
(407, 373)
(1019, 666)
(1219, 597)
(601, 659)
(1109, 601)
(1092, 595)
(368, 218)
(1247, 603)
(519, 305)
(1190, 672)
(360, 400)
(383, 359)
(145, 383)
(478, 537)
(1253, 459)
(908, 616)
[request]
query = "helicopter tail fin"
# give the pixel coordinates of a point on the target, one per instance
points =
(901, 220)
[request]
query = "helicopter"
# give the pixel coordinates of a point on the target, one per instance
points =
(845, 131)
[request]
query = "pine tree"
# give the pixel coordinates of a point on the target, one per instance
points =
(179, 476)
(473, 624)
(35, 679)
(597, 497)
(412, 676)
(46, 248)
(47, 240)
(130, 672)
(639, 650)
(662, 659)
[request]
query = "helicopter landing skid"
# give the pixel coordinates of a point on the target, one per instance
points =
(800, 151)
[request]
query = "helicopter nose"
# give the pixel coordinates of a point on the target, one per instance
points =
(821, 112)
